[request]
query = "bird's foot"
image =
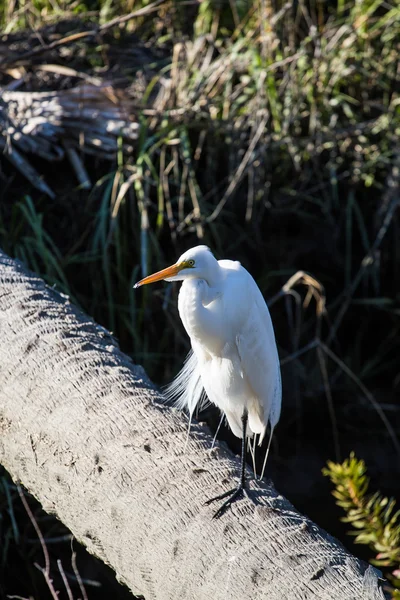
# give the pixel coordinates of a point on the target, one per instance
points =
(231, 496)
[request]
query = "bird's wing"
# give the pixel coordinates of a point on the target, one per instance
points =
(258, 354)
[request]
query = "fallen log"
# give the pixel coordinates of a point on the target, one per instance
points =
(49, 109)
(87, 434)
(87, 118)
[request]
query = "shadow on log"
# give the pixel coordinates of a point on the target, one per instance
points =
(87, 434)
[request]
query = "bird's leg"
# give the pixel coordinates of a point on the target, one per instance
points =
(236, 493)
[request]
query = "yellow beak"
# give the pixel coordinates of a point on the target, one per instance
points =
(164, 274)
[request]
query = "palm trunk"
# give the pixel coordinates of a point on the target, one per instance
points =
(87, 434)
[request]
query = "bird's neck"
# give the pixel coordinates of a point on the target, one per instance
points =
(196, 310)
(214, 274)
(198, 292)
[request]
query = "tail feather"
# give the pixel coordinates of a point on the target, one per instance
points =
(186, 390)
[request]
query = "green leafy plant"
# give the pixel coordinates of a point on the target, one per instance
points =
(374, 517)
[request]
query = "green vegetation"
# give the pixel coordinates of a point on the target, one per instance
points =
(375, 519)
(276, 118)
(275, 142)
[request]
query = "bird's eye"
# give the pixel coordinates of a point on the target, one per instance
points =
(190, 263)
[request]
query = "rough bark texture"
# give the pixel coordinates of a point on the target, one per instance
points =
(84, 430)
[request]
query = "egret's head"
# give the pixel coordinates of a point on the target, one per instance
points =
(198, 262)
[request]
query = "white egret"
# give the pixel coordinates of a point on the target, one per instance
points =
(234, 358)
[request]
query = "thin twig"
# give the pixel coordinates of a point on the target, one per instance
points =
(77, 575)
(65, 580)
(37, 529)
(299, 353)
(48, 580)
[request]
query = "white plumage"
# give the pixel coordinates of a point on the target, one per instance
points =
(234, 357)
